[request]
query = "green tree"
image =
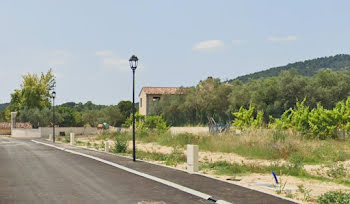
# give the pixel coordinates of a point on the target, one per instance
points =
(34, 93)
(112, 116)
(91, 117)
(70, 117)
(37, 117)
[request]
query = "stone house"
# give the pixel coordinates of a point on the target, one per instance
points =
(149, 95)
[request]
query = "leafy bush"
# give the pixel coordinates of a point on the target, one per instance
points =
(156, 122)
(323, 123)
(120, 143)
(283, 122)
(300, 117)
(245, 118)
(143, 124)
(319, 123)
(334, 197)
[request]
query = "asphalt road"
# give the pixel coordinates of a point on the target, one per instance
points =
(33, 173)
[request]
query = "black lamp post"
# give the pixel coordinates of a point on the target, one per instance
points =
(53, 95)
(133, 65)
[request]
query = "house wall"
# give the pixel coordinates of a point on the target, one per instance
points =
(143, 106)
(150, 102)
(147, 102)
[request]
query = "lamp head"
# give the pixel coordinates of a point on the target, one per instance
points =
(133, 62)
(53, 95)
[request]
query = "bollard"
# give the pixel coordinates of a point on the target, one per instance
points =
(50, 137)
(106, 146)
(72, 137)
(192, 158)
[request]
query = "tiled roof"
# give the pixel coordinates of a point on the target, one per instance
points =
(159, 90)
(4, 125)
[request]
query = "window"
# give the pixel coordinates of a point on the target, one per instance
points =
(156, 98)
(140, 102)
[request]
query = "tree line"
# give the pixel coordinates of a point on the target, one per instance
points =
(33, 104)
(273, 96)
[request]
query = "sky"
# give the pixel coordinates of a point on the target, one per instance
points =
(87, 43)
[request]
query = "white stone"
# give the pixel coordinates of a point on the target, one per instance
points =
(192, 158)
(72, 139)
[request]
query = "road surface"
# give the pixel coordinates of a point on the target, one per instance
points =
(34, 173)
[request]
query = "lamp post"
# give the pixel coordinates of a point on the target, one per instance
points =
(53, 95)
(133, 65)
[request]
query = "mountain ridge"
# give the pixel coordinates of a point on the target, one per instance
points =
(339, 62)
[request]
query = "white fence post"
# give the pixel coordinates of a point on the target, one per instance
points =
(106, 146)
(72, 137)
(192, 158)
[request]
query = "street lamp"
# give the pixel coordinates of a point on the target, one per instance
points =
(53, 96)
(133, 65)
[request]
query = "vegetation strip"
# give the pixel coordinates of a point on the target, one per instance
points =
(159, 180)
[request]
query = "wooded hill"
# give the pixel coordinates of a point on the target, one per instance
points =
(305, 68)
(3, 106)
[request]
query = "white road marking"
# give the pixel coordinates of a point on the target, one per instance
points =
(159, 180)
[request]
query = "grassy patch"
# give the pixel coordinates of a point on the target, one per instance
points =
(260, 144)
(225, 168)
(80, 143)
(171, 159)
(234, 169)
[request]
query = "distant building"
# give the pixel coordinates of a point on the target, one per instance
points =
(149, 95)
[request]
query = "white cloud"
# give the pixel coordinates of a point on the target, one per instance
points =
(209, 45)
(237, 42)
(104, 53)
(283, 39)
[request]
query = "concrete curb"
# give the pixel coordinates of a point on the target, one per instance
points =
(153, 178)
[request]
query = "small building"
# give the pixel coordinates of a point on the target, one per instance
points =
(149, 95)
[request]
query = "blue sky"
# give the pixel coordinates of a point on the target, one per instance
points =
(179, 43)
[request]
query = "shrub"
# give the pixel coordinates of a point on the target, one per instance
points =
(120, 143)
(323, 124)
(244, 117)
(67, 139)
(143, 123)
(334, 197)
